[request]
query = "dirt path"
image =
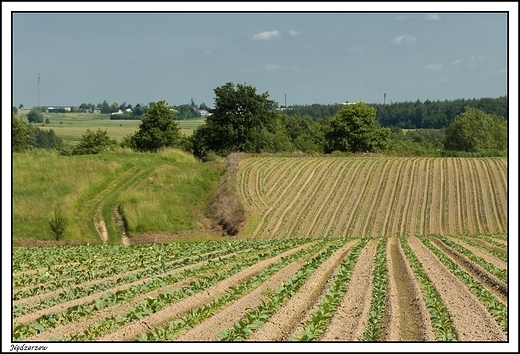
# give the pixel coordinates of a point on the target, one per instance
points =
(408, 318)
(101, 229)
(471, 319)
(284, 322)
(426, 198)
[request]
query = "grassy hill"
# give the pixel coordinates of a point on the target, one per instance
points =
(164, 192)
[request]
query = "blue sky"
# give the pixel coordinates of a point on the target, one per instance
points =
(304, 57)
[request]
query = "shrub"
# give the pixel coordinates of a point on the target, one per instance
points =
(58, 224)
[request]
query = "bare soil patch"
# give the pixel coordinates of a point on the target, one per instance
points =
(470, 317)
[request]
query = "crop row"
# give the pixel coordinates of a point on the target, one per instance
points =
(377, 196)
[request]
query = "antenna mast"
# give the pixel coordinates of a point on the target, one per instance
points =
(39, 91)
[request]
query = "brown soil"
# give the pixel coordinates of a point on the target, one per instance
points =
(225, 318)
(348, 324)
(470, 317)
(407, 315)
(177, 309)
(491, 282)
(292, 314)
(28, 318)
(454, 199)
(485, 255)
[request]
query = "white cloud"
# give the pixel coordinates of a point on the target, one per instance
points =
(404, 40)
(355, 49)
(434, 67)
(457, 62)
(432, 17)
(294, 33)
(478, 57)
(272, 67)
(266, 35)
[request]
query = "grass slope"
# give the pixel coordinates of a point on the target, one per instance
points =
(163, 192)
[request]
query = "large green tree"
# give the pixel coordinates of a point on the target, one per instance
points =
(474, 130)
(355, 129)
(158, 129)
(240, 120)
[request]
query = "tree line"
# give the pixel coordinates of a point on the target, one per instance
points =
(246, 121)
(411, 115)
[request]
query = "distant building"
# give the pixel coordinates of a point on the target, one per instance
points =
(58, 109)
(203, 112)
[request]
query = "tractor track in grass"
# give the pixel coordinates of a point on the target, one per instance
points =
(471, 319)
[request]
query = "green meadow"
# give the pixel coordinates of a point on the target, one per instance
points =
(163, 191)
(71, 126)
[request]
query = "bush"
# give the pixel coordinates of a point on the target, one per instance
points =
(35, 116)
(94, 142)
(58, 224)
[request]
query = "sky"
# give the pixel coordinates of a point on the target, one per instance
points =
(298, 58)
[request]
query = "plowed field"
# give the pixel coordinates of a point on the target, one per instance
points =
(341, 249)
(380, 196)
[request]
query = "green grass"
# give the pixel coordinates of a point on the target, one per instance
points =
(71, 126)
(157, 192)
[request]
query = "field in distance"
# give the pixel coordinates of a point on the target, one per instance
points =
(71, 126)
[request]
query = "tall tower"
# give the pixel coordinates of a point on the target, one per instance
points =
(39, 91)
(384, 100)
